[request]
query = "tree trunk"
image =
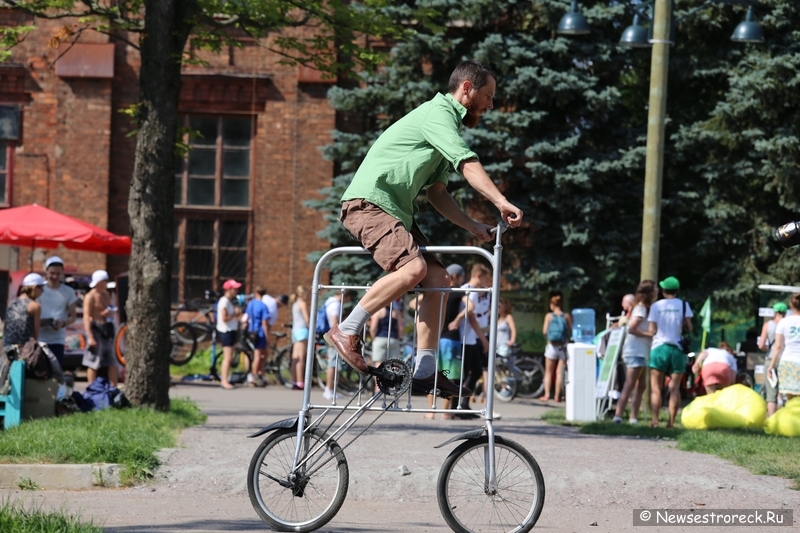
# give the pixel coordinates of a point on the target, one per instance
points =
(151, 200)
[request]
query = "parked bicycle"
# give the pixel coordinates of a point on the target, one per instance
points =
(278, 361)
(183, 343)
(201, 314)
(516, 374)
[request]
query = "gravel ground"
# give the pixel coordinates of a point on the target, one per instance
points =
(592, 483)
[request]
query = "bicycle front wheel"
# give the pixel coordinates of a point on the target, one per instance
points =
(304, 500)
(184, 343)
(531, 382)
(465, 500)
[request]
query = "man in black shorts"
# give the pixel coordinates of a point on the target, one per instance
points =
(417, 152)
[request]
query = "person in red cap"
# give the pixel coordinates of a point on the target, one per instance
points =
(227, 328)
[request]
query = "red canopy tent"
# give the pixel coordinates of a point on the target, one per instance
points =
(35, 226)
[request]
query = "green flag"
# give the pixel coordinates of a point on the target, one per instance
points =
(705, 312)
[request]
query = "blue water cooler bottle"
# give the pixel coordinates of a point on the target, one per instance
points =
(583, 325)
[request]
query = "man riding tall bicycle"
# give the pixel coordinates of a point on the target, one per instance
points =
(378, 209)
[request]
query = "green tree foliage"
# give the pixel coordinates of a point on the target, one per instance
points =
(566, 143)
(160, 30)
(562, 143)
(733, 173)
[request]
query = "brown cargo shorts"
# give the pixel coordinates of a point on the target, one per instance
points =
(384, 236)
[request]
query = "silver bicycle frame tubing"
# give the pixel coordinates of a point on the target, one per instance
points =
(495, 261)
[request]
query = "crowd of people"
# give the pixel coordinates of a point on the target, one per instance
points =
(46, 306)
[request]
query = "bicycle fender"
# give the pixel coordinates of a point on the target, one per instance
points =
(469, 435)
(287, 423)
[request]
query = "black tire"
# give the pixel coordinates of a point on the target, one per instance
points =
(289, 507)
(463, 499)
(184, 343)
(242, 354)
(506, 382)
(531, 382)
(202, 323)
(283, 365)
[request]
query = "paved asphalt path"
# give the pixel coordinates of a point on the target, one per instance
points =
(593, 483)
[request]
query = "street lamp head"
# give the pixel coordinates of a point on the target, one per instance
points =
(573, 23)
(635, 35)
(748, 31)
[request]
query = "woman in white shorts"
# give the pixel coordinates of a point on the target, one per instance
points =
(635, 351)
(786, 351)
(557, 330)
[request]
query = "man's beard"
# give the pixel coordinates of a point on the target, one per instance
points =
(473, 116)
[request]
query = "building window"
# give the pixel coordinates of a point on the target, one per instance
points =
(216, 172)
(6, 152)
(207, 251)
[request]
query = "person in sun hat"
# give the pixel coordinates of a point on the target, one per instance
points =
(227, 328)
(23, 314)
(98, 316)
(59, 307)
(765, 342)
(668, 318)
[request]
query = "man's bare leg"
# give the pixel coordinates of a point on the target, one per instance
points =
(430, 308)
(91, 375)
(345, 337)
(394, 285)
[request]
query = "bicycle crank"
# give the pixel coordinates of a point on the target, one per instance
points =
(393, 377)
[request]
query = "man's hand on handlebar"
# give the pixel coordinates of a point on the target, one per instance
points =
(511, 214)
(482, 231)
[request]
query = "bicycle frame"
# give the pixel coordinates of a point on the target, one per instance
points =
(303, 420)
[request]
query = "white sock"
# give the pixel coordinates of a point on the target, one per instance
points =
(425, 364)
(354, 323)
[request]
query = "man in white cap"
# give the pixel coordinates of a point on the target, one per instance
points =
(97, 320)
(58, 303)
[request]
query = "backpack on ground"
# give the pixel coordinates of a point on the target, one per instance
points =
(557, 330)
(37, 364)
(322, 325)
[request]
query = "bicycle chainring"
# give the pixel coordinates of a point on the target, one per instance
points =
(393, 377)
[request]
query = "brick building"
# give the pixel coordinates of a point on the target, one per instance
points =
(238, 204)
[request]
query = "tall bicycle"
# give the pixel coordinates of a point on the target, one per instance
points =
(298, 477)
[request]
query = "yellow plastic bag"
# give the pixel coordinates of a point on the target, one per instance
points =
(785, 421)
(736, 406)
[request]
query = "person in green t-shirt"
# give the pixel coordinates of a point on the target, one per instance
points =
(415, 153)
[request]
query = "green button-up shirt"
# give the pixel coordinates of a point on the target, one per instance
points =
(413, 154)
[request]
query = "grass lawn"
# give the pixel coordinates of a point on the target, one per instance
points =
(129, 437)
(753, 449)
(14, 518)
(201, 364)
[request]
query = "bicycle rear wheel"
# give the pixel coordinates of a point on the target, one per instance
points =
(283, 365)
(184, 343)
(119, 343)
(531, 382)
(506, 380)
(465, 500)
(304, 500)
